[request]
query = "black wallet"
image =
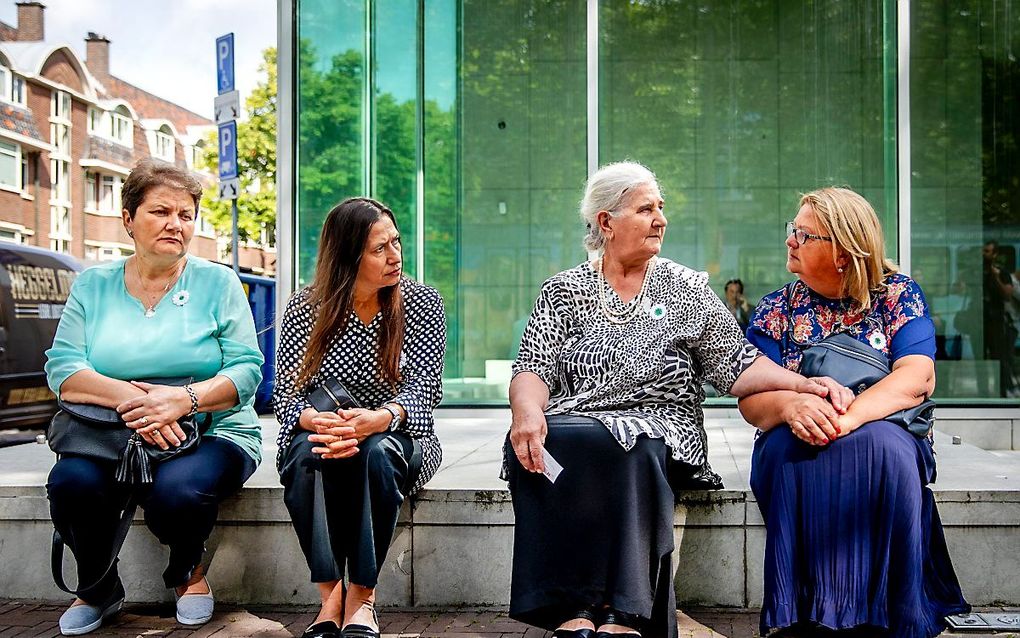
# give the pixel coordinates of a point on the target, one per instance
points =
(330, 396)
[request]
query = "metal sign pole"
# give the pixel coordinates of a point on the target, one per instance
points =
(233, 235)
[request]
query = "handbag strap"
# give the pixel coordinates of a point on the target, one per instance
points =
(57, 551)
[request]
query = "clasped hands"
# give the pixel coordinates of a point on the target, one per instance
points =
(817, 415)
(339, 433)
(154, 414)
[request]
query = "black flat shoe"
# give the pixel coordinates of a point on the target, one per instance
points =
(588, 613)
(323, 629)
(613, 617)
(361, 631)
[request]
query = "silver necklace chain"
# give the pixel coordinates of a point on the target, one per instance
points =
(630, 310)
(150, 310)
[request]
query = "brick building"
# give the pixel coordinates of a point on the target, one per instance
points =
(70, 133)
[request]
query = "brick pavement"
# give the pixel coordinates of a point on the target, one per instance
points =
(33, 619)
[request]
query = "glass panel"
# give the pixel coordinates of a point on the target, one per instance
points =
(965, 213)
(521, 163)
(738, 107)
(394, 116)
(440, 171)
(330, 119)
(9, 165)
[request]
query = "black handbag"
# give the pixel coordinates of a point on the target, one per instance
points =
(858, 366)
(97, 432)
(83, 429)
(330, 396)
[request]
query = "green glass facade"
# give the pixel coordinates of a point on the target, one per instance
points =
(478, 121)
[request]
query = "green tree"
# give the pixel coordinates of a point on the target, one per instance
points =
(256, 161)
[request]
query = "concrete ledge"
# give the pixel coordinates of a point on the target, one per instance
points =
(453, 544)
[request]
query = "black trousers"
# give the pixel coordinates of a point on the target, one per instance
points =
(360, 501)
(180, 508)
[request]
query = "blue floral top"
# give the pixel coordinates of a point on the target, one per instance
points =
(790, 319)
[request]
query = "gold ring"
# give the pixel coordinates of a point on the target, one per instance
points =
(144, 420)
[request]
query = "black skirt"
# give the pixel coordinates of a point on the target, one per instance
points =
(601, 535)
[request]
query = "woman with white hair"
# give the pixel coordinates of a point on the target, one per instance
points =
(608, 384)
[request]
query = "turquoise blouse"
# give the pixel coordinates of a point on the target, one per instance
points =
(201, 328)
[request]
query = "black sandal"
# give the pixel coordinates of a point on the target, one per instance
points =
(588, 613)
(614, 617)
(362, 631)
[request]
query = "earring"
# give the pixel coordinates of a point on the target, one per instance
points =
(840, 269)
(130, 234)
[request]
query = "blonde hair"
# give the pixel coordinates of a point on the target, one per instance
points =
(606, 190)
(856, 233)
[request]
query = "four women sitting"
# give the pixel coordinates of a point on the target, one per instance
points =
(607, 420)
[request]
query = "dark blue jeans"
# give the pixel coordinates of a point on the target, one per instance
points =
(180, 508)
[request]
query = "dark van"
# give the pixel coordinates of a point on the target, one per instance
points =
(34, 284)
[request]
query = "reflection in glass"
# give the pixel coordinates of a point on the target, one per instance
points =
(965, 221)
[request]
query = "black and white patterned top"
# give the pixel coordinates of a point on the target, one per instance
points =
(352, 358)
(644, 377)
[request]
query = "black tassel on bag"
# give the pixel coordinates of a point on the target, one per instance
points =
(134, 468)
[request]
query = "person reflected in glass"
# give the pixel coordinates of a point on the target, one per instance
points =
(608, 382)
(382, 336)
(853, 537)
(736, 303)
(160, 313)
(996, 294)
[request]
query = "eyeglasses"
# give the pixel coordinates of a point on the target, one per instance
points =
(802, 235)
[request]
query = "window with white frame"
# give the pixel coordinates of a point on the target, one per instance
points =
(12, 87)
(121, 128)
(60, 138)
(164, 144)
(25, 181)
(95, 121)
(12, 235)
(60, 180)
(60, 106)
(60, 229)
(18, 90)
(109, 194)
(91, 190)
(10, 165)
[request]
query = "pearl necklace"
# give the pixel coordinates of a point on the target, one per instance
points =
(620, 317)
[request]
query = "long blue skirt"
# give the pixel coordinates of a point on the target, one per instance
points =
(853, 537)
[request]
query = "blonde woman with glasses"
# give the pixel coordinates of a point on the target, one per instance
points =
(853, 538)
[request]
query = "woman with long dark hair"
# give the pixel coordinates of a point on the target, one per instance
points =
(363, 329)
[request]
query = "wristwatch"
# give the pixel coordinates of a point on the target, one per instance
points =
(395, 421)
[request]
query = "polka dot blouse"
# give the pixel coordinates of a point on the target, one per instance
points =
(353, 359)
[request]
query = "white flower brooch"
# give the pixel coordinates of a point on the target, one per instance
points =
(180, 298)
(877, 340)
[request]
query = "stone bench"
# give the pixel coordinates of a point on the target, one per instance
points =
(453, 545)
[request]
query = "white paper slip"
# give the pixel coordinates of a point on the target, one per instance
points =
(552, 468)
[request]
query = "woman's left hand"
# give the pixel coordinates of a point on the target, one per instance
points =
(366, 422)
(160, 405)
(840, 396)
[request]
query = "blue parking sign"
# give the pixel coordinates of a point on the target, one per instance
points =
(228, 150)
(225, 63)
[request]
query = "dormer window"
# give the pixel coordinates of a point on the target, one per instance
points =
(12, 87)
(164, 144)
(121, 128)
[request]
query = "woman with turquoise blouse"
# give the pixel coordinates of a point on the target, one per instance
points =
(158, 314)
(853, 540)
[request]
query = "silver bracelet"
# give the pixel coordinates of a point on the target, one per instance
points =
(194, 400)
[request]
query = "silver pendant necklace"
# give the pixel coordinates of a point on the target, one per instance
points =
(620, 317)
(150, 310)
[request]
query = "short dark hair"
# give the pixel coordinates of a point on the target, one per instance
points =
(735, 281)
(149, 173)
